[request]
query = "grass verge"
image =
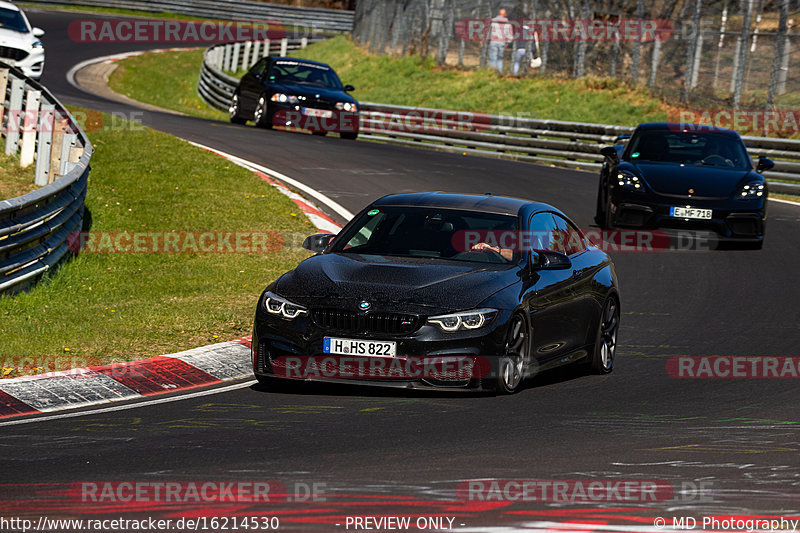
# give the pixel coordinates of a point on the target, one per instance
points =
(406, 81)
(107, 307)
(15, 180)
(165, 79)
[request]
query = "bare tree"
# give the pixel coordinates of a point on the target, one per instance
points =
(637, 46)
(777, 59)
(743, 48)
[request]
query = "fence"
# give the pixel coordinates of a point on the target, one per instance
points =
(550, 142)
(34, 228)
(317, 19)
(708, 48)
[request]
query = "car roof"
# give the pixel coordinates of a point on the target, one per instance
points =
(683, 126)
(301, 61)
(9, 5)
(484, 203)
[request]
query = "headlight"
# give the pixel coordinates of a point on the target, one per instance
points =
(629, 182)
(751, 191)
(275, 305)
(464, 320)
(346, 106)
(37, 44)
(284, 98)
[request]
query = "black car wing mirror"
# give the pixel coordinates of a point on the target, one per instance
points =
(348, 88)
(550, 260)
(610, 152)
(317, 243)
(764, 163)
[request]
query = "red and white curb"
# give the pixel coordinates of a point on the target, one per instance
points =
(200, 367)
(85, 387)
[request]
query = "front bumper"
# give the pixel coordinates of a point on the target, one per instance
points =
(295, 116)
(32, 66)
(426, 359)
(734, 220)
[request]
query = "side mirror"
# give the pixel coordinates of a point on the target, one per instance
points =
(610, 152)
(764, 163)
(550, 260)
(317, 243)
(38, 32)
(348, 88)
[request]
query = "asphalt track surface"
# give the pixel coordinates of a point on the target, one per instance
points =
(396, 453)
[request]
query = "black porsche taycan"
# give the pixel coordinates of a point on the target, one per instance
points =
(684, 177)
(434, 290)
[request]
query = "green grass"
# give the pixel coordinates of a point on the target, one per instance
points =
(165, 79)
(406, 81)
(101, 308)
(15, 180)
(409, 81)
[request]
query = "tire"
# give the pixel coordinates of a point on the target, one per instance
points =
(261, 115)
(608, 222)
(350, 136)
(512, 365)
(319, 133)
(234, 111)
(599, 216)
(605, 344)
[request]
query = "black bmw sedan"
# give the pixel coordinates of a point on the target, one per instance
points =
(684, 176)
(434, 290)
(295, 93)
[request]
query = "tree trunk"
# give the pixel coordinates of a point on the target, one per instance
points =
(777, 60)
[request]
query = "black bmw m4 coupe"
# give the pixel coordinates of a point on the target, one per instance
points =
(434, 290)
(684, 177)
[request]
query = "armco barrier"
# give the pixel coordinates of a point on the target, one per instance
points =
(330, 20)
(215, 86)
(550, 142)
(34, 227)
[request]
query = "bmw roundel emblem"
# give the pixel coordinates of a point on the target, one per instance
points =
(364, 305)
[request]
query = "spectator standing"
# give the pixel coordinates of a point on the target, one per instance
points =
(500, 33)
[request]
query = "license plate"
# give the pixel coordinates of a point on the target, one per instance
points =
(338, 346)
(690, 212)
(321, 113)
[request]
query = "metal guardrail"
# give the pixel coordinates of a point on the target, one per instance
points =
(215, 86)
(35, 227)
(332, 20)
(551, 142)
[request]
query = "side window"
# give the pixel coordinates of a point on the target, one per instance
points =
(259, 68)
(365, 233)
(570, 237)
(543, 232)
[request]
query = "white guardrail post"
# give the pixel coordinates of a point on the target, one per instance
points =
(35, 227)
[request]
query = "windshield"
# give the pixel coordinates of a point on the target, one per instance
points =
(426, 232)
(305, 74)
(689, 148)
(12, 20)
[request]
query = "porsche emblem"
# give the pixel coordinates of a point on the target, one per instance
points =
(691, 191)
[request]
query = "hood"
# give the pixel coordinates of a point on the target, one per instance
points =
(16, 39)
(706, 180)
(313, 92)
(414, 285)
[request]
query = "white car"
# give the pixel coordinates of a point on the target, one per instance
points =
(20, 44)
